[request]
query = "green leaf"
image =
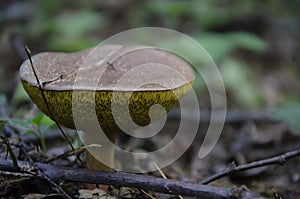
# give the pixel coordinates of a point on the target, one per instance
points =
(240, 83)
(71, 31)
(248, 41)
(20, 123)
(218, 46)
(29, 132)
(37, 119)
(291, 115)
(41, 119)
(171, 8)
(184, 49)
(70, 44)
(76, 24)
(47, 121)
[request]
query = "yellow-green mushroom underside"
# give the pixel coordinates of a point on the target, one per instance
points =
(57, 73)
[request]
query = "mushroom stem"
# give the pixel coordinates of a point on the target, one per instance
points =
(106, 152)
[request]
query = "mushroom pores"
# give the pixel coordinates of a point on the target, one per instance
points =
(60, 104)
(57, 72)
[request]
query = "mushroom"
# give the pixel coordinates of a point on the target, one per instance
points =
(57, 73)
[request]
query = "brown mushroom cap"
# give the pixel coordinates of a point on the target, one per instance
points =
(58, 73)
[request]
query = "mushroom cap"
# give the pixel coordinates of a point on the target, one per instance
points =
(62, 74)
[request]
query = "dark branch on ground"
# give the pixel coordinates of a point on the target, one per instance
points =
(52, 183)
(281, 159)
(130, 180)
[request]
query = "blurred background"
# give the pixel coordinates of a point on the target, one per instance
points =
(254, 43)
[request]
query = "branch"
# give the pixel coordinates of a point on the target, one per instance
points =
(131, 180)
(16, 174)
(53, 184)
(281, 159)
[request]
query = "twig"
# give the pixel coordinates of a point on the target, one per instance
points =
(131, 180)
(25, 173)
(46, 102)
(72, 152)
(11, 153)
(160, 171)
(147, 194)
(281, 159)
(54, 185)
(163, 175)
(16, 174)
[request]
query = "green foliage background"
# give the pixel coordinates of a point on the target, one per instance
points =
(254, 43)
